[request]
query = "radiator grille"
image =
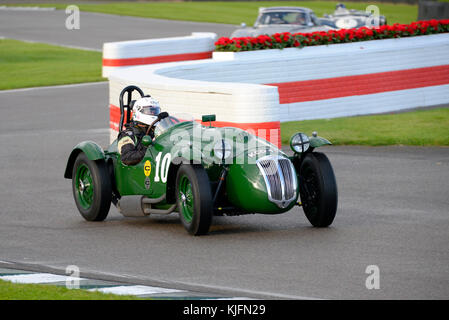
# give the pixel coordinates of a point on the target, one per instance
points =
(280, 179)
(290, 183)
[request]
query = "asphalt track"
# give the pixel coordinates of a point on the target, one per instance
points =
(95, 28)
(393, 212)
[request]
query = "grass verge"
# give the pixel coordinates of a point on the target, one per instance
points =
(24, 64)
(233, 12)
(415, 128)
(14, 291)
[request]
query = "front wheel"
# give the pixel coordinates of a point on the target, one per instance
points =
(91, 188)
(318, 189)
(194, 199)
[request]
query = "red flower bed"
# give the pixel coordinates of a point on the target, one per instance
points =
(289, 40)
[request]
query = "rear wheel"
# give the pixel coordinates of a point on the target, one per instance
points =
(194, 199)
(91, 188)
(318, 189)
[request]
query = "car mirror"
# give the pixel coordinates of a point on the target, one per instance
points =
(162, 115)
(208, 118)
(146, 141)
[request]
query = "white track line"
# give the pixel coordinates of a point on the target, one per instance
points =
(231, 298)
(54, 44)
(135, 290)
(6, 8)
(38, 278)
(63, 86)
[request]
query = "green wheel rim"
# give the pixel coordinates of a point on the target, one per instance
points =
(84, 186)
(186, 198)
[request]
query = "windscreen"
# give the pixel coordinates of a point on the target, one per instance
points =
(277, 18)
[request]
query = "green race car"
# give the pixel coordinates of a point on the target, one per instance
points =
(201, 171)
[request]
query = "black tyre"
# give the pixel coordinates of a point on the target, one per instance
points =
(91, 188)
(318, 189)
(194, 199)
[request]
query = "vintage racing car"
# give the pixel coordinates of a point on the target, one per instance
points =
(344, 18)
(201, 171)
(298, 19)
(282, 19)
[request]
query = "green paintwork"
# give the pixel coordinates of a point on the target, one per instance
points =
(246, 189)
(84, 186)
(208, 118)
(316, 142)
(92, 150)
(146, 141)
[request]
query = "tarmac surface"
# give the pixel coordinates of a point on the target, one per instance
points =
(95, 28)
(393, 202)
(393, 213)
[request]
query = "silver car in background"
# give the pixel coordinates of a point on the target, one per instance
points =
(298, 19)
(282, 19)
(344, 18)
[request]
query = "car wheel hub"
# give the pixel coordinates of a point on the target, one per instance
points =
(85, 189)
(186, 198)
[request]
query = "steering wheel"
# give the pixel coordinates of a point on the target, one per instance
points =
(151, 127)
(129, 90)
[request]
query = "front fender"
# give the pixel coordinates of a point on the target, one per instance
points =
(316, 142)
(92, 150)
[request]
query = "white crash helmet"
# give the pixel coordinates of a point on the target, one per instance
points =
(145, 110)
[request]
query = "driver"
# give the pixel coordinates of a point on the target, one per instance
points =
(300, 19)
(145, 111)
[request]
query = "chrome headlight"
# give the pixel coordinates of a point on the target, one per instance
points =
(222, 149)
(299, 142)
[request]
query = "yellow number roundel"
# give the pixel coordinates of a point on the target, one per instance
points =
(147, 168)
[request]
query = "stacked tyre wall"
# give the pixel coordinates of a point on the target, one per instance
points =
(258, 90)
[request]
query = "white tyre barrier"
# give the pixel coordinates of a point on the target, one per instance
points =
(124, 54)
(247, 106)
(260, 89)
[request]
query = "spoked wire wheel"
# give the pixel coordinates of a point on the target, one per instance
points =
(194, 199)
(91, 188)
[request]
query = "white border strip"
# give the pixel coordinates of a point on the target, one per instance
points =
(38, 278)
(62, 86)
(7, 8)
(54, 44)
(136, 290)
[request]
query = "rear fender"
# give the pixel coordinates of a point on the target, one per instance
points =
(92, 150)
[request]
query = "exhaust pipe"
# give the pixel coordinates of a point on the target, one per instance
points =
(140, 206)
(131, 206)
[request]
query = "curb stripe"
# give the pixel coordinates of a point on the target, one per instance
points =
(156, 59)
(38, 278)
(136, 290)
(329, 88)
(110, 287)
